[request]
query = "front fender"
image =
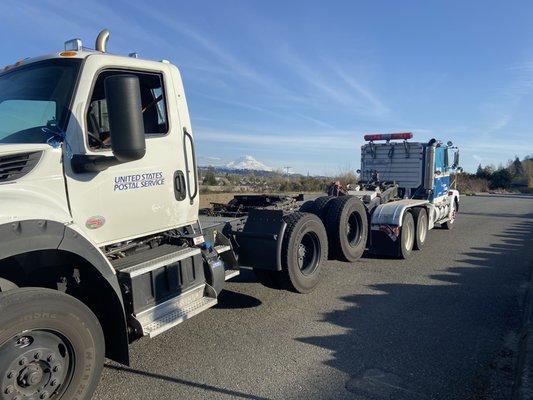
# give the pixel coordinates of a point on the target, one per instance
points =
(19, 237)
(455, 196)
(23, 204)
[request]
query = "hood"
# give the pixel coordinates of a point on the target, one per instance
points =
(32, 184)
(14, 148)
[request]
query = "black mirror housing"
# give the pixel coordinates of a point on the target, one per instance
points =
(456, 159)
(126, 124)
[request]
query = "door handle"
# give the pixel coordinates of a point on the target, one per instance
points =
(180, 189)
(192, 194)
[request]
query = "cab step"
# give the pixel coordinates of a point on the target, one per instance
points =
(172, 312)
(222, 248)
(231, 273)
(153, 259)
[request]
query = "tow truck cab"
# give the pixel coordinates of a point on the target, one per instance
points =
(407, 181)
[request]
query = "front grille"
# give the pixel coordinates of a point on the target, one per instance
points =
(14, 166)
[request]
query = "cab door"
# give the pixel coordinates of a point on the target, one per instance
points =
(442, 174)
(136, 198)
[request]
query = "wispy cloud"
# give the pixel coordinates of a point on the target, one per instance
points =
(377, 107)
(326, 141)
(501, 108)
(333, 83)
(315, 121)
(240, 104)
(499, 123)
(223, 55)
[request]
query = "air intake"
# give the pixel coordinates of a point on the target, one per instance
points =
(15, 166)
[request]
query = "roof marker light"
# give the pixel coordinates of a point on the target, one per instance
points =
(67, 53)
(388, 136)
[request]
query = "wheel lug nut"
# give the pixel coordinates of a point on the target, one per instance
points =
(57, 368)
(50, 358)
(53, 383)
(10, 374)
(37, 355)
(9, 390)
(43, 395)
(23, 361)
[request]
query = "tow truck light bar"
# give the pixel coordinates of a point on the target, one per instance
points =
(388, 136)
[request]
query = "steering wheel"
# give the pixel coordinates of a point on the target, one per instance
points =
(96, 141)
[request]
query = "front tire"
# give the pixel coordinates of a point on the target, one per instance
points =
(448, 225)
(51, 346)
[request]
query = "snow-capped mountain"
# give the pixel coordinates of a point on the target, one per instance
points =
(248, 163)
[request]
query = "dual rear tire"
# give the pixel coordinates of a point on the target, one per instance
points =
(304, 252)
(413, 232)
(405, 242)
(346, 223)
(328, 226)
(347, 226)
(318, 206)
(420, 217)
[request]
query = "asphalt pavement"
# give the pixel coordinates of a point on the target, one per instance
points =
(441, 325)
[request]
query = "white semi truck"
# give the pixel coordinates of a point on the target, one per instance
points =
(101, 241)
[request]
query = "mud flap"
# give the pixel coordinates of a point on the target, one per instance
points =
(259, 243)
(382, 242)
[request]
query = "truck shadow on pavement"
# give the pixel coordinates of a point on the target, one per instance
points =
(453, 337)
(172, 379)
(229, 299)
(500, 215)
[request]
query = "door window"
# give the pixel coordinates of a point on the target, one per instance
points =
(153, 105)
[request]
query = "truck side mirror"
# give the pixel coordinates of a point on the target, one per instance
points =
(124, 110)
(456, 159)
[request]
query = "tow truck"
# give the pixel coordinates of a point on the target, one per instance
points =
(405, 189)
(101, 239)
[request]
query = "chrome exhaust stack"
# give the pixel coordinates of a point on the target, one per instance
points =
(101, 40)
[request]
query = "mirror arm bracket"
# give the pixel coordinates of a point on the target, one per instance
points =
(82, 163)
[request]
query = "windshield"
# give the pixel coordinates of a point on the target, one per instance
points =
(35, 100)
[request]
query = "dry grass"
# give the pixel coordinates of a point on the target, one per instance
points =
(470, 185)
(207, 198)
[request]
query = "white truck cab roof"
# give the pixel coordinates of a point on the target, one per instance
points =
(84, 54)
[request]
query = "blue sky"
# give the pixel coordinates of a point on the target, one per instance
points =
(298, 83)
